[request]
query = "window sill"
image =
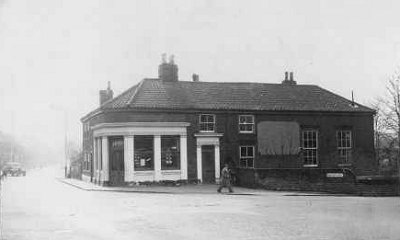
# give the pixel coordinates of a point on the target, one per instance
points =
(310, 165)
(170, 172)
(247, 132)
(143, 173)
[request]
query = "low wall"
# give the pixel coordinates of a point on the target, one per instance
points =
(340, 181)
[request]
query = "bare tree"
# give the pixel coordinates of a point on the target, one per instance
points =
(391, 113)
(379, 126)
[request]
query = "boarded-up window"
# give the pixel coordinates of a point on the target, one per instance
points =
(278, 138)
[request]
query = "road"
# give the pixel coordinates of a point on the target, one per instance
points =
(40, 207)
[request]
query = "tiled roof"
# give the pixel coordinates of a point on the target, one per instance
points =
(156, 94)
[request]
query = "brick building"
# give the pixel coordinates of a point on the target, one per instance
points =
(167, 129)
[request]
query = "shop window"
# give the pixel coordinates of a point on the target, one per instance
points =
(170, 153)
(246, 156)
(143, 153)
(344, 145)
(207, 123)
(246, 124)
(309, 143)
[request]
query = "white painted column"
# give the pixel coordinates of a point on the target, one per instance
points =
(184, 169)
(99, 161)
(199, 164)
(157, 158)
(104, 154)
(217, 163)
(94, 159)
(128, 158)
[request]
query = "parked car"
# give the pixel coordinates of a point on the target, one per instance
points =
(13, 169)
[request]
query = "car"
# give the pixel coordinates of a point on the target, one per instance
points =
(13, 169)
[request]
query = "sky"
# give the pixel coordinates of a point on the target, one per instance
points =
(55, 55)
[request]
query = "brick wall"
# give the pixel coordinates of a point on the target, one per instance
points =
(227, 123)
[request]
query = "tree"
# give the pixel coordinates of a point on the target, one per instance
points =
(391, 113)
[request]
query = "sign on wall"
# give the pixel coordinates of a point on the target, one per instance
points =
(278, 138)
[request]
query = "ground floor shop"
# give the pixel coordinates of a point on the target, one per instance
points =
(150, 151)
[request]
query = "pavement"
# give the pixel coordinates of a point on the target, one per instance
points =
(41, 206)
(179, 189)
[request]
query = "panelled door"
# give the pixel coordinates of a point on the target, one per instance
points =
(116, 159)
(208, 163)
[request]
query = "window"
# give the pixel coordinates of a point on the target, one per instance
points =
(207, 123)
(170, 153)
(246, 124)
(246, 156)
(309, 143)
(143, 153)
(344, 145)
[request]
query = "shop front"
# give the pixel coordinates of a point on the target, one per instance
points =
(139, 152)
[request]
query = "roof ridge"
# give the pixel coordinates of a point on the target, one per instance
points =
(139, 86)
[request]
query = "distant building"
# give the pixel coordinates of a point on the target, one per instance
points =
(167, 129)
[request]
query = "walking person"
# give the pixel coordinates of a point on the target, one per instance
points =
(225, 179)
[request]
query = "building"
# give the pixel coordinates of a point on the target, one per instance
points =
(166, 129)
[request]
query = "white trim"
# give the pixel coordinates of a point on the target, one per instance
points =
(148, 130)
(199, 164)
(310, 165)
(128, 158)
(214, 122)
(157, 157)
(132, 129)
(104, 148)
(311, 148)
(208, 139)
(140, 124)
(253, 124)
(183, 148)
(217, 163)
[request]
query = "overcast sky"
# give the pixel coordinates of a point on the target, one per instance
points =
(55, 55)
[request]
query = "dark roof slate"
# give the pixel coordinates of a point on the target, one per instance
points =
(156, 94)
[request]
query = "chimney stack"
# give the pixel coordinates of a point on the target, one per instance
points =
(289, 80)
(168, 71)
(107, 94)
(195, 77)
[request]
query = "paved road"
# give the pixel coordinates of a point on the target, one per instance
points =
(40, 207)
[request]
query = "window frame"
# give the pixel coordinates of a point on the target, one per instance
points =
(246, 157)
(246, 124)
(304, 149)
(214, 122)
(176, 153)
(136, 151)
(347, 159)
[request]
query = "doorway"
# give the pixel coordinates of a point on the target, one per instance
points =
(116, 149)
(208, 163)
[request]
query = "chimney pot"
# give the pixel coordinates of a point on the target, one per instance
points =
(195, 77)
(286, 76)
(291, 76)
(164, 58)
(106, 95)
(168, 71)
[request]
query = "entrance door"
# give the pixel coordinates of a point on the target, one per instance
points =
(208, 163)
(116, 157)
